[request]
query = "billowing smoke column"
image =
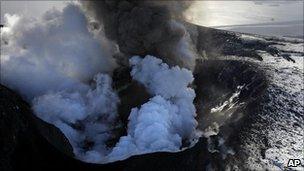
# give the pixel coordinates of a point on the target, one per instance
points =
(146, 27)
(51, 62)
(168, 118)
(49, 53)
(63, 69)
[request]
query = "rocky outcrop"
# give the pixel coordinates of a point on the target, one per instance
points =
(23, 145)
(213, 43)
(29, 143)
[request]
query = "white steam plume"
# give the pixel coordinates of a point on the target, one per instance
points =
(94, 110)
(168, 118)
(50, 62)
(60, 67)
(40, 55)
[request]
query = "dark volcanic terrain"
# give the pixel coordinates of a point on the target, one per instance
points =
(249, 103)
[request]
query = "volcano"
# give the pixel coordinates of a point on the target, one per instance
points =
(193, 98)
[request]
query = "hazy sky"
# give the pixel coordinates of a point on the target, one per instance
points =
(223, 13)
(208, 13)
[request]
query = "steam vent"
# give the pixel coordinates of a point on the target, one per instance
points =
(136, 85)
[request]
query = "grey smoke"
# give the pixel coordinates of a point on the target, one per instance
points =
(146, 27)
(62, 66)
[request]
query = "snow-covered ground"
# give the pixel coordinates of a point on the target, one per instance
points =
(277, 134)
(280, 122)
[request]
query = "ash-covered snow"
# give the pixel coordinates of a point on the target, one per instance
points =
(285, 133)
(276, 133)
(228, 104)
(63, 69)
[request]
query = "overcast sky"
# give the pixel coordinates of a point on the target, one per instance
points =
(208, 13)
